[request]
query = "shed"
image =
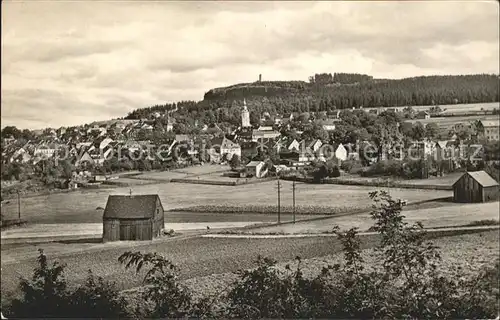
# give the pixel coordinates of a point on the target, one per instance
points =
(476, 186)
(134, 217)
(256, 169)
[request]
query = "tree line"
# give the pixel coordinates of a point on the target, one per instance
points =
(224, 104)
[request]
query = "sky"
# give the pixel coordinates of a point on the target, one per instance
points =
(70, 63)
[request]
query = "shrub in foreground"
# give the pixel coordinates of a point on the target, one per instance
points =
(47, 295)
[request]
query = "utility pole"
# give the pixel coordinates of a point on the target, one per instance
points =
(279, 201)
(293, 188)
(18, 205)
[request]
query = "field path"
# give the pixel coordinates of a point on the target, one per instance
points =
(447, 216)
(306, 235)
(95, 229)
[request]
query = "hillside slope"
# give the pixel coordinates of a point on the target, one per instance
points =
(325, 92)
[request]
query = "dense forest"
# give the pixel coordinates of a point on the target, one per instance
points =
(325, 92)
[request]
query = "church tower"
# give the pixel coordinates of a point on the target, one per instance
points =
(245, 116)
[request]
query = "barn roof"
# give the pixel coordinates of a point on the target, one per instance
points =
(254, 163)
(130, 207)
(490, 123)
(482, 178)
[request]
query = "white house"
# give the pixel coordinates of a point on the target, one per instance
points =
(313, 145)
(85, 158)
(294, 145)
(230, 148)
(21, 155)
(341, 153)
(328, 125)
(259, 135)
(104, 143)
(256, 169)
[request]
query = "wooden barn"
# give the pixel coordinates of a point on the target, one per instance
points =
(476, 186)
(134, 217)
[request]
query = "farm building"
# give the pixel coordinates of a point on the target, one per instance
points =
(256, 169)
(477, 186)
(489, 129)
(139, 217)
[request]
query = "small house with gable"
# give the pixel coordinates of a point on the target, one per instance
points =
(341, 152)
(256, 169)
(475, 186)
(133, 217)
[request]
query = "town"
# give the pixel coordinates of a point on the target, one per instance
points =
(90, 154)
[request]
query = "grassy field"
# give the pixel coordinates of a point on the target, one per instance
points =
(80, 206)
(193, 171)
(450, 121)
(161, 175)
(461, 108)
(179, 222)
(464, 253)
(446, 180)
(199, 257)
(450, 214)
(203, 170)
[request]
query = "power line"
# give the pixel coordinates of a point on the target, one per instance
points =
(279, 201)
(293, 188)
(18, 205)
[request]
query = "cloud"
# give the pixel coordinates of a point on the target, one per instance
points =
(66, 63)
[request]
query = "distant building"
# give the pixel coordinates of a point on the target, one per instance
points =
(223, 148)
(229, 148)
(245, 116)
(134, 217)
(476, 186)
(341, 153)
(99, 178)
(294, 145)
(259, 135)
(488, 129)
(423, 115)
(182, 138)
(256, 169)
(328, 125)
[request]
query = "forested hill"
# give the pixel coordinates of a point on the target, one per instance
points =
(325, 92)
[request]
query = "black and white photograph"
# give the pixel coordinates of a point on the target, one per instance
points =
(250, 159)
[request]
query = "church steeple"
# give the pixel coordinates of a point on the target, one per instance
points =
(245, 115)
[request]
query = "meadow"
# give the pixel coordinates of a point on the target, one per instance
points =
(460, 108)
(450, 214)
(192, 171)
(81, 206)
(451, 121)
(446, 180)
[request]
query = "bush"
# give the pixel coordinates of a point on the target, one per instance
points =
(97, 299)
(167, 298)
(414, 169)
(47, 296)
(386, 167)
(352, 166)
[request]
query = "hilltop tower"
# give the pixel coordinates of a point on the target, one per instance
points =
(245, 116)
